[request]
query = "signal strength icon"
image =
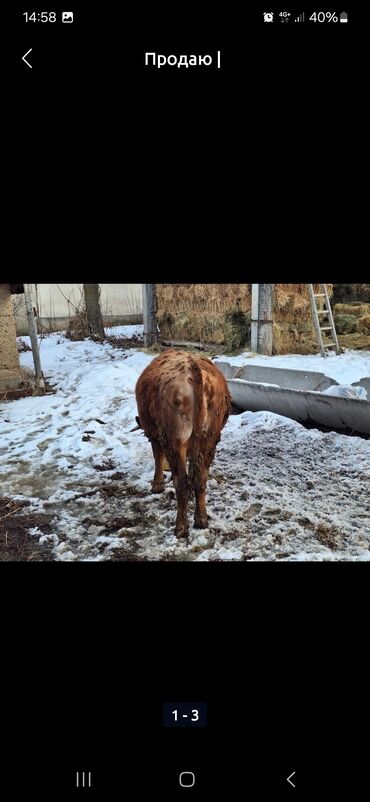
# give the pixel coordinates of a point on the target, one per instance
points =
(300, 18)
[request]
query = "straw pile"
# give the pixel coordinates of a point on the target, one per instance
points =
(349, 293)
(220, 314)
(354, 319)
(358, 310)
(198, 312)
(364, 324)
(293, 327)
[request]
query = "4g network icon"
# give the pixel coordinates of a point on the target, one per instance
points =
(268, 16)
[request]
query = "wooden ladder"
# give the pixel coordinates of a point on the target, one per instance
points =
(319, 314)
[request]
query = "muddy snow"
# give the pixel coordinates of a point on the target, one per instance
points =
(277, 491)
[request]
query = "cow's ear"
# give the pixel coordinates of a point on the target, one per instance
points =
(138, 421)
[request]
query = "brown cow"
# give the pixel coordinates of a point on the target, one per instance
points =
(183, 403)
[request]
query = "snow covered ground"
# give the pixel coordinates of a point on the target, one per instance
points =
(276, 491)
(136, 330)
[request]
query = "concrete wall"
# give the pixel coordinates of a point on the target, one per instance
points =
(10, 373)
(56, 303)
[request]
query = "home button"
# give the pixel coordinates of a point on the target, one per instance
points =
(187, 779)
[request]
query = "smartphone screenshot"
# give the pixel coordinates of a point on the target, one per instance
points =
(184, 449)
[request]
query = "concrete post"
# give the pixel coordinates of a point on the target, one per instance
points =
(261, 318)
(39, 379)
(265, 319)
(149, 315)
(254, 317)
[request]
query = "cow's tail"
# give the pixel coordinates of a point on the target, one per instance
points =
(195, 455)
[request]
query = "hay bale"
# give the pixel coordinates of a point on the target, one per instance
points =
(214, 298)
(196, 327)
(197, 311)
(293, 328)
(346, 293)
(364, 324)
(209, 313)
(237, 330)
(357, 309)
(354, 341)
(292, 302)
(293, 339)
(346, 324)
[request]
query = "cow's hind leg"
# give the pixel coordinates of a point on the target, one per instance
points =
(200, 476)
(180, 479)
(200, 468)
(158, 481)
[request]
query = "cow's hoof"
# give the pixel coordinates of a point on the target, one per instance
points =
(158, 488)
(182, 531)
(201, 522)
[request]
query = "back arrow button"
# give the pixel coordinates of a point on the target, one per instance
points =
(25, 60)
(289, 779)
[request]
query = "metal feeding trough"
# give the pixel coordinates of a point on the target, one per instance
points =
(297, 394)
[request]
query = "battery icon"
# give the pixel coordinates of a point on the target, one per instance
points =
(343, 17)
